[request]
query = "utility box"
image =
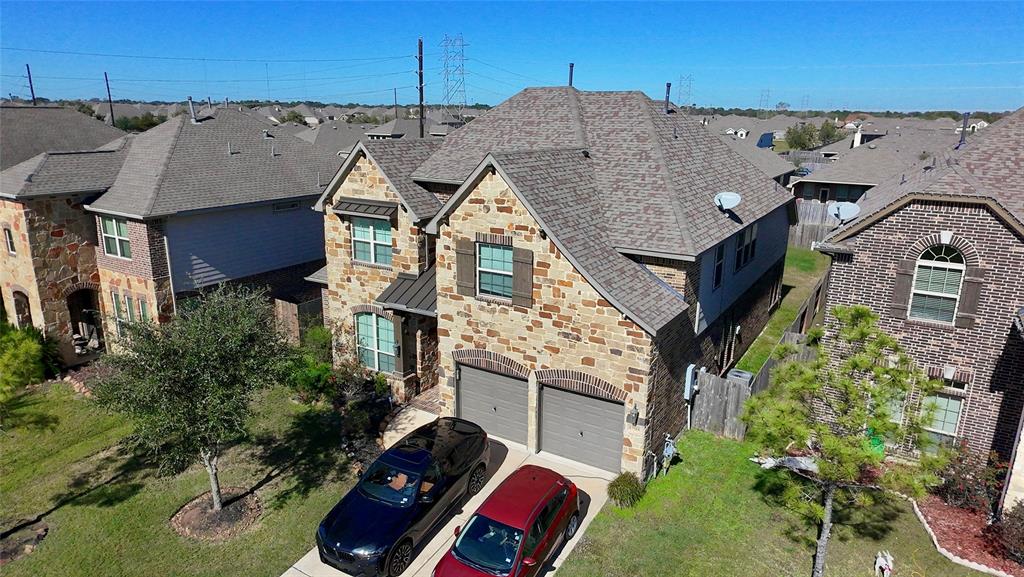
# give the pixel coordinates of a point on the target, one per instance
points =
(738, 376)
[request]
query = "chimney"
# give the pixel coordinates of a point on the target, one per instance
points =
(963, 130)
(668, 92)
(571, 66)
(192, 110)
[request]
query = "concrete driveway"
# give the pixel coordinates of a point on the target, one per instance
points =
(505, 458)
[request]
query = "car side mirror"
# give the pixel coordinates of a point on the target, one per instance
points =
(426, 499)
(458, 530)
(529, 562)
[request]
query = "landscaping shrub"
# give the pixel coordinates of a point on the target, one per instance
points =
(969, 481)
(311, 379)
(21, 363)
(626, 490)
(318, 341)
(1009, 532)
(50, 351)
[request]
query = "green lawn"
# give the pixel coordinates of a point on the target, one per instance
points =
(803, 269)
(60, 453)
(713, 515)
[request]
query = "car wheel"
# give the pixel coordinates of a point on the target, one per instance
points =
(401, 558)
(477, 480)
(573, 526)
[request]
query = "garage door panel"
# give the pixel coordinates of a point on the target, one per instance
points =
(581, 428)
(498, 403)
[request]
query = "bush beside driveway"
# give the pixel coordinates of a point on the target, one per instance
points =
(714, 515)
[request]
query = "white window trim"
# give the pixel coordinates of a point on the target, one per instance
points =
(372, 241)
(480, 269)
(118, 311)
(143, 310)
(956, 298)
(9, 241)
(376, 342)
(115, 236)
(959, 416)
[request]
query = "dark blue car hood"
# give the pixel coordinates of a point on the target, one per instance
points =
(359, 522)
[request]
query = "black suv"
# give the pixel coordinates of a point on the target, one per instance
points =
(375, 528)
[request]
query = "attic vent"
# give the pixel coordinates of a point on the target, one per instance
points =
(266, 134)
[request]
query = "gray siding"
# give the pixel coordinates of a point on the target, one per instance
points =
(772, 236)
(216, 246)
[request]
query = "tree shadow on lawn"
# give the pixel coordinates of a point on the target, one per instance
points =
(873, 520)
(307, 455)
(23, 413)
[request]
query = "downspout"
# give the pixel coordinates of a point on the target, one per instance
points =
(170, 277)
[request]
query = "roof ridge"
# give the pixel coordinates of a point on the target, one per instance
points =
(577, 117)
(163, 166)
(659, 152)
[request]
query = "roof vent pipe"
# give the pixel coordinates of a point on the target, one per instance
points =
(225, 102)
(192, 110)
(571, 66)
(668, 92)
(963, 130)
(209, 102)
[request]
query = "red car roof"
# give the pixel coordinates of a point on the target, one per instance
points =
(515, 499)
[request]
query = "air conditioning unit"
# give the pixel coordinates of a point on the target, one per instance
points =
(738, 376)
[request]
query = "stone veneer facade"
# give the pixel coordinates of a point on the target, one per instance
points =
(56, 256)
(988, 356)
(354, 284)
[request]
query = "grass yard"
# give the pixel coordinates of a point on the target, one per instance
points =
(713, 515)
(803, 269)
(111, 511)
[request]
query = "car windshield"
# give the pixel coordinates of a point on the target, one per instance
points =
(390, 484)
(488, 544)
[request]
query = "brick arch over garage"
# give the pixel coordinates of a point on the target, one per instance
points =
(491, 361)
(87, 285)
(958, 242)
(580, 382)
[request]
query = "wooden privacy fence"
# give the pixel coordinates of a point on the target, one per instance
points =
(813, 225)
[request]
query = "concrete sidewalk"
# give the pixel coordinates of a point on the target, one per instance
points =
(505, 458)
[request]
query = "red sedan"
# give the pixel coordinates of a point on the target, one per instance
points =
(517, 529)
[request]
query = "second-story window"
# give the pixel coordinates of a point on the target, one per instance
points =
(937, 281)
(746, 246)
(9, 239)
(494, 270)
(115, 237)
(719, 266)
(371, 240)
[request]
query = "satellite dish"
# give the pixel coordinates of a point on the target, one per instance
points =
(727, 200)
(844, 211)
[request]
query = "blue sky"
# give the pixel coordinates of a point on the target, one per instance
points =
(870, 56)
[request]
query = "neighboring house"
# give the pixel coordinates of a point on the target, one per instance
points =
(201, 201)
(938, 254)
(48, 274)
(859, 169)
(335, 137)
(27, 131)
(774, 166)
(555, 268)
(405, 128)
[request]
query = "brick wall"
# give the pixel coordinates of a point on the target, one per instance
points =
(989, 351)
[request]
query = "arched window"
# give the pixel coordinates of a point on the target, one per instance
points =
(375, 339)
(938, 278)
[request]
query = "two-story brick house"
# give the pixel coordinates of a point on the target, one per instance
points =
(938, 253)
(54, 161)
(204, 199)
(568, 246)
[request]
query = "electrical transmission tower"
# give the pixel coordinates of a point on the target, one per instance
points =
(762, 105)
(453, 105)
(684, 93)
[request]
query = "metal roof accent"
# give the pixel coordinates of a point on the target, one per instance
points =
(319, 277)
(410, 293)
(365, 207)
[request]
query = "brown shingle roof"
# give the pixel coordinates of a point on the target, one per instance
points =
(58, 173)
(27, 131)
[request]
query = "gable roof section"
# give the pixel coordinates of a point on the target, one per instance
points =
(224, 160)
(989, 169)
(656, 174)
(396, 160)
(59, 173)
(27, 131)
(765, 160)
(558, 188)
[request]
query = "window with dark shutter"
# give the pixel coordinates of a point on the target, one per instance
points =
(522, 277)
(901, 294)
(465, 267)
(967, 313)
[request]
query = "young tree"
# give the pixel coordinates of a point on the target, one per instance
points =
(188, 384)
(293, 116)
(802, 137)
(826, 422)
(828, 133)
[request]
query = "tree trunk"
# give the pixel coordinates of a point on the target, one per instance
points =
(826, 530)
(210, 462)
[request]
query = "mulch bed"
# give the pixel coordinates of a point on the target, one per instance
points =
(962, 533)
(22, 543)
(198, 520)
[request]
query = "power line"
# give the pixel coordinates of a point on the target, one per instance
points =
(196, 59)
(507, 71)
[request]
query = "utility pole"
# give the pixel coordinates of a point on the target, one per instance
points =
(419, 60)
(571, 66)
(31, 88)
(110, 101)
(396, 103)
